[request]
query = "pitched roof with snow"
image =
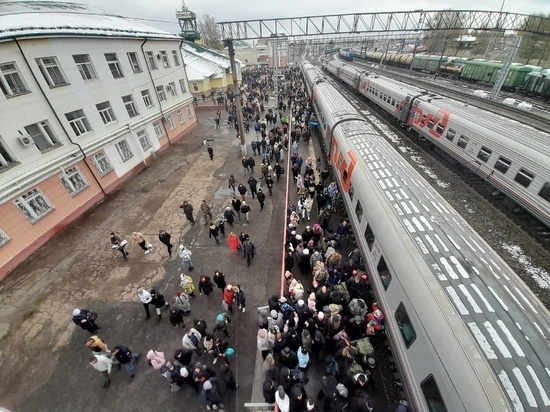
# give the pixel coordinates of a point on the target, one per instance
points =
(198, 68)
(45, 19)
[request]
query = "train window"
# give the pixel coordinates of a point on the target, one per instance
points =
(463, 141)
(393, 103)
(545, 192)
(423, 122)
(484, 154)
(439, 129)
(430, 124)
(359, 210)
(350, 191)
(369, 237)
(524, 177)
(384, 273)
(405, 325)
(345, 176)
(450, 134)
(502, 164)
(432, 395)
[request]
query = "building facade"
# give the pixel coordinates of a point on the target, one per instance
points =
(82, 111)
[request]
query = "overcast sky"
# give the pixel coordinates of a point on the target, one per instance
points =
(224, 10)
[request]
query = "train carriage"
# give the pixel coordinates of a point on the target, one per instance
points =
(467, 333)
(538, 83)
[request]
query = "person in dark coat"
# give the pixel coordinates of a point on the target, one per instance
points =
(298, 398)
(228, 377)
(83, 318)
(205, 285)
(210, 152)
(211, 394)
(200, 325)
(125, 356)
(261, 198)
(269, 390)
(219, 280)
(177, 317)
(183, 356)
(236, 203)
(269, 182)
(253, 184)
(242, 190)
(157, 299)
(229, 216)
(164, 237)
(188, 210)
(221, 227)
(249, 250)
(288, 358)
(251, 164)
(214, 231)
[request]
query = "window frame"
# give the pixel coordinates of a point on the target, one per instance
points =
(106, 112)
(157, 126)
(161, 94)
(86, 65)
(359, 211)
(383, 267)
(172, 88)
(182, 86)
(195, 86)
(16, 78)
(524, 177)
(484, 154)
(24, 205)
(503, 161)
(43, 67)
(130, 105)
(170, 120)
(143, 137)
(102, 163)
(7, 160)
(82, 120)
(544, 191)
(370, 237)
(401, 311)
(150, 58)
(431, 379)
(4, 238)
(175, 56)
(134, 63)
(462, 141)
(125, 153)
(75, 186)
(189, 112)
(114, 65)
(47, 134)
(181, 116)
(147, 98)
(164, 59)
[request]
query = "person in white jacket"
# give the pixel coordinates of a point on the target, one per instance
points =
(145, 298)
(192, 340)
(102, 364)
(282, 400)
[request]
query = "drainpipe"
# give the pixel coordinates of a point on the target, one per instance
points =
(155, 86)
(57, 117)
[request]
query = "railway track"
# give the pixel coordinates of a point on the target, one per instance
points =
(539, 119)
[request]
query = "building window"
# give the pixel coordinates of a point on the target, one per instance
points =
(484, 153)
(182, 86)
(144, 139)
(134, 62)
(124, 150)
(4, 238)
(405, 325)
(502, 164)
(101, 163)
(130, 105)
(11, 82)
(114, 65)
(172, 89)
(161, 94)
(524, 177)
(175, 55)
(181, 116)
(42, 134)
(106, 112)
(189, 112)
(146, 94)
(195, 87)
(73, 180)
(384, 273)
(170, 121)
(432, 395)
(151, 60)
(33, 205)
(78, 122)
(85, 66)
(6, 160)
(164, 59)
(159, 130)
(50, 69)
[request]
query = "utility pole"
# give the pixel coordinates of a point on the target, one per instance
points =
(441, 58)
(231, 50)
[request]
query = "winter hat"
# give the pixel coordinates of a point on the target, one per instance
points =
(357, 318)
(140, 291)
(306, 252)
(219, 318)
(207, 385)
(287, 350)
(320, 316)
(298, 237)
(371, 362)
(293, 233)
(377, 313)
(184, 372)
(181, 247)
(76, 312)
(262, 333)
(342, 390)
(229, 287)
(274, 314)
(281, 392)
(308, 227)
(300, 302)
(304, 350)
(310, 404)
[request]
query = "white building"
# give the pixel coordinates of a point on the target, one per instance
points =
(87, 101)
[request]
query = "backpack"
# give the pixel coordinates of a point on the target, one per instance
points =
(331, 366)
(343, 289)
(364, 347)
(354, 368)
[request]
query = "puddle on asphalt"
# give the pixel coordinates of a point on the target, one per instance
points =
(223, 193)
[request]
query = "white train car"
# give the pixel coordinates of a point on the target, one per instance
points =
(468, 335)
(512, 156)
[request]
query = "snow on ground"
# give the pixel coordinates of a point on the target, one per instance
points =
(541, 276)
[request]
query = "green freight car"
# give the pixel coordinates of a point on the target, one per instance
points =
(537, 83)
(488, 72)
(428, 63)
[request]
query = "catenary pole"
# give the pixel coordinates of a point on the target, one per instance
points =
(240, 134)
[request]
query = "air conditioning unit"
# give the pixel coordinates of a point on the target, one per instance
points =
(25, 140)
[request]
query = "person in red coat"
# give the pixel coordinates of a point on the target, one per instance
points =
(233, 241)
(228, 298)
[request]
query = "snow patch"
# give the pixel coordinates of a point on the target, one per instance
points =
(541, 276)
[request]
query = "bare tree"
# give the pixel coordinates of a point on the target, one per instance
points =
(210, 31)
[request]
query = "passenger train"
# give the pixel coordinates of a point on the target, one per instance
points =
(467, 333)
(509, 155)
